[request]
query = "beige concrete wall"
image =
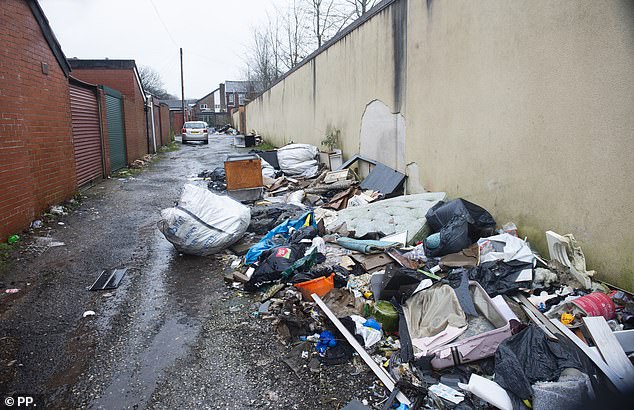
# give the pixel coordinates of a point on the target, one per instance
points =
(526, 108)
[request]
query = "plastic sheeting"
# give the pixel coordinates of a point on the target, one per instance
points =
(203, 223)
(500, 278)
(282, 231)
(530, 357)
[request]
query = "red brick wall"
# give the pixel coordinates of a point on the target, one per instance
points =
(176, 118)
(37, 165)
(165, 124)
(123, 81)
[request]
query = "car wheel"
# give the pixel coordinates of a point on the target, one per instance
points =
(206, 142)
(183, 141)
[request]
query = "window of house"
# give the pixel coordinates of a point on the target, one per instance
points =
(241, 99)
(203, 106)
(231, 99)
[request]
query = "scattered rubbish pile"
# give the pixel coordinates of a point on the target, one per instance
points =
(446, 307)
(227, 129)
(143, 162)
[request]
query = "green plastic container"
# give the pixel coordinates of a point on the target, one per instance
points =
(385, 313)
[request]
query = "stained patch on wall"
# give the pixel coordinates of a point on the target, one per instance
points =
(382, 135)
(399, 39)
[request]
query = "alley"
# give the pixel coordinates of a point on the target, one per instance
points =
(172, 335)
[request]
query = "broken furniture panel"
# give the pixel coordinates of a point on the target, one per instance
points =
(243, 171)
(376, 176)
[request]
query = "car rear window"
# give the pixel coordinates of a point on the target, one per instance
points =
(195, 125)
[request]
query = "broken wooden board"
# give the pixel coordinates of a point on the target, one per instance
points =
(610, 348)
(371, 262)
(379, 371)
(334, 176)
(400, 259)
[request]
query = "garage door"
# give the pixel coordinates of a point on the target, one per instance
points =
(86, 134)
(116, 135)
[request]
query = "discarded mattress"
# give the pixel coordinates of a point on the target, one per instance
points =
(395, 215)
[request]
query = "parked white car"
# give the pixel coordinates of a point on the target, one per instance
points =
(195, 131)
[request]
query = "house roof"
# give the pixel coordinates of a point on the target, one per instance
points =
(242, 86)
(48, 34)
(108, 64)
(207, 95)
(176, 104)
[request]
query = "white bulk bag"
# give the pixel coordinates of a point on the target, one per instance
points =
(203, 223)
(295, 159)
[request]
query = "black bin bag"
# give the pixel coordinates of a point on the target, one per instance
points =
(460, 223)
(272, 263)
(530, 357)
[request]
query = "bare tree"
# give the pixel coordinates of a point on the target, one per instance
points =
(328, 18)
(361, 6)
(260, 60)
(295, 34)
(152, 82)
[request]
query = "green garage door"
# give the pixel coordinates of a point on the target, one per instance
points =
(116, 135)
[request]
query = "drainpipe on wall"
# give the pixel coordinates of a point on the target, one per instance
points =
(147, 128)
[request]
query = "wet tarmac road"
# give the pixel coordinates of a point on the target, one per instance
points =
(172, 335)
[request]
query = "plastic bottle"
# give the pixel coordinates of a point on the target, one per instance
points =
(13, 239)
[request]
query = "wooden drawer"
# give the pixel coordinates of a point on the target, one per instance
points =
(243, 173)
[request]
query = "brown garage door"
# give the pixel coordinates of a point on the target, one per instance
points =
(86, 134)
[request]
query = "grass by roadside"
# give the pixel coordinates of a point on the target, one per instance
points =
(171, 147)
(5, 256)
(265, 146)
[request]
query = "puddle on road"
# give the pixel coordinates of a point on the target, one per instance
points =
(135, 387)
(170, 331)
(170, 308)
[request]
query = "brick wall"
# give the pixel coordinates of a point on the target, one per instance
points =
(37, 166)
(165, 124)
(176, 119)
(123, 81)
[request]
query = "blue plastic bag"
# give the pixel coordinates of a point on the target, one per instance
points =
(282, 229)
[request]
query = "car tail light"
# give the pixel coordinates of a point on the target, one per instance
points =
(205, 130)
(183, 131)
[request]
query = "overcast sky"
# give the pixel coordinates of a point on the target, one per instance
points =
(213, 33)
